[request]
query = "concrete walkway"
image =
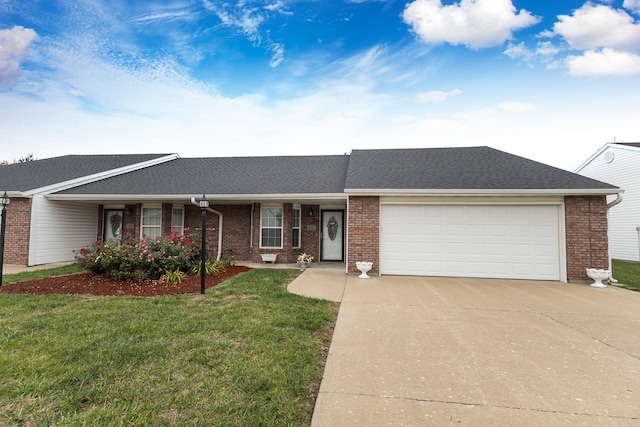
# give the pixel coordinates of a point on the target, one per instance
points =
(416, 351)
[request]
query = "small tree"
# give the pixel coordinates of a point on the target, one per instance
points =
(28, 158)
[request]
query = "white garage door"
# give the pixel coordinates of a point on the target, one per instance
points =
(498, 241)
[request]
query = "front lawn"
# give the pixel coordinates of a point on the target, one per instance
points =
(40, 274)
(627, 274)
(246, 353)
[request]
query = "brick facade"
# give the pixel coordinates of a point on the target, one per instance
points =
(309, 234)
(585, 221)
(586, 235)
(363, 218)
(17, 231)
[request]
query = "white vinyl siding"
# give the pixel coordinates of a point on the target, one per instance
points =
(58, 228)
(493, 241)
(623, 218)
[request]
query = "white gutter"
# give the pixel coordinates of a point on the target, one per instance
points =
(193, 202)
(225, 197)
(615, 202)
(609, 206)
(478, 192)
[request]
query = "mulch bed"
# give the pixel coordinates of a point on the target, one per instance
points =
(89, 283)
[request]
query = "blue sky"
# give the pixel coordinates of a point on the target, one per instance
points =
(549, 80)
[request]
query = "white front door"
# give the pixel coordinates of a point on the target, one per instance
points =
(332, 236)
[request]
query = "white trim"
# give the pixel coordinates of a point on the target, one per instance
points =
(142, 226)
(65, 185)
(603, 149)
(551, 200)
(556, 200)
(298, 208)
(561, 225)
(300, 197)
(480, 193)
(562, 242)
(272, 206)
(181, 207)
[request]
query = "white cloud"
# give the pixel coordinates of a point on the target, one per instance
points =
(14, 43)
(606, 62)
(249, 19)
(519, 51)
(632, 5)
(496, 115)
(601, 40)
(441, 125)
(279, 7)
(596, 26)
(515, 107)
(547, 49)
(278, 55)
(473, 23)
(436, 96)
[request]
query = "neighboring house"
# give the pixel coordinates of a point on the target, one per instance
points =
(619, 164)
(475, 212)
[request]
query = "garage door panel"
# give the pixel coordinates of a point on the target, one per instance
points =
(477, 248)
(474, 241)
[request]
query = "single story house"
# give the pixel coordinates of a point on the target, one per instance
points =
(619, 164)
(473, 211)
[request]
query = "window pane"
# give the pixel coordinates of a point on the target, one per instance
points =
(151, 232)
(295, 232)
(272, 217)
(271, 237)
(151, 216)
(296, 238)
(271, 227)
(151, 222)
(177, 222)
(296, 217)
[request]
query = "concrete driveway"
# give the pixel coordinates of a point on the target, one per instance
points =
(415, 351)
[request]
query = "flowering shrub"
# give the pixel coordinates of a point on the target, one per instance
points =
(144, 259)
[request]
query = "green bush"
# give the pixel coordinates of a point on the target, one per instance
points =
(144, 259)
(173, 277)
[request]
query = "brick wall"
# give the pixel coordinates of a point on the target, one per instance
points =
(236, 230)
(193, 222)
(586, 235)
(16, 240)
(364, 235)
(309, 232)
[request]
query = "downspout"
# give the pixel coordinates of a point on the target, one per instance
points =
(251, 228)
(609, 206)
(193, 202)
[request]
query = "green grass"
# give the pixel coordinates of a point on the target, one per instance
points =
(248, 353)
(627, 274)
(41, 274)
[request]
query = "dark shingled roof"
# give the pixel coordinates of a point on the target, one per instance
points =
(40, 173)
(472, 168)
(229, 175)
